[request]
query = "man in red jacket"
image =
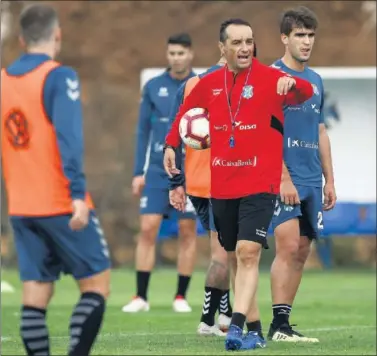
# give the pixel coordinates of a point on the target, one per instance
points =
(245, 102)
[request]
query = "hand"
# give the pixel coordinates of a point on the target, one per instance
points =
(329, 195)
(169, 162)
(138, 184)
(285, 84)
(288, 193)
(80, 216)
(177, 198)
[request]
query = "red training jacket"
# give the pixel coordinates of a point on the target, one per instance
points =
(254, 164)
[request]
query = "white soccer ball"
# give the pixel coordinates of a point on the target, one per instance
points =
(194, 129)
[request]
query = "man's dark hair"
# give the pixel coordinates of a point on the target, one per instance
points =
(182, 39)
(37, 23)
(222, 35)
(300, 17)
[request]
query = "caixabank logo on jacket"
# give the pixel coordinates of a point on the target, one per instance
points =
(217, 161)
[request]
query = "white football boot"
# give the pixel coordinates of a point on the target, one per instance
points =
(206, 330)
(136, 305)
(223, 321)
(180, 305)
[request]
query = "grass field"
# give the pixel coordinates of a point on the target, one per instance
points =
(337, 307)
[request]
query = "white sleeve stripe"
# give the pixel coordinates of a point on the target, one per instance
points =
(148, 155)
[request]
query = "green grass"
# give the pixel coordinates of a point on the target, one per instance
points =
(337, 307)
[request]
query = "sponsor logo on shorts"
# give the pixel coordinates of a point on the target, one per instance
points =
(320, 221)
(143, 202)
(261, 232)
(251, 162)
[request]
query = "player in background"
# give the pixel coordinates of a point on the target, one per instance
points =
(307, 155)
(55, 228)
(151, 182)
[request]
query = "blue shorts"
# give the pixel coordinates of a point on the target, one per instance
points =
(47, 247)
(204, 211)
(156, 201)
(309, 212)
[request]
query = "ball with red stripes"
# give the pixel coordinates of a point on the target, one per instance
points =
(194, 129)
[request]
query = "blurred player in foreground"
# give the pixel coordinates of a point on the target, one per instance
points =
(307, 155)
(55, 228)
(151, 182)
(244, 178)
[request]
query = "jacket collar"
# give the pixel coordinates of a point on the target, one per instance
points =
(243, 73)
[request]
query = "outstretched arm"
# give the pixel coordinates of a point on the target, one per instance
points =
(299, 93)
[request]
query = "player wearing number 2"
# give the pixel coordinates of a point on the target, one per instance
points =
(307, 155)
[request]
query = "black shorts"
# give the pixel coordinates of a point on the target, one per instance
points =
(203, 210)
(246, 218)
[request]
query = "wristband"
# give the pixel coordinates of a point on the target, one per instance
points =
(167, 146)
